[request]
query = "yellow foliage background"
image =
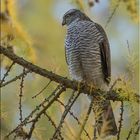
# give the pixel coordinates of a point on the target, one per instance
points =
(37, 35)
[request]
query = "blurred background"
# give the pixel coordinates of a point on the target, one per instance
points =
(39, 37)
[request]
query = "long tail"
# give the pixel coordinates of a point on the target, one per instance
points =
(104, 117)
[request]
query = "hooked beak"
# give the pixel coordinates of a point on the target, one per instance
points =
(63, 22)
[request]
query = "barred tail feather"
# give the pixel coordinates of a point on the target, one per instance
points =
(105, 120)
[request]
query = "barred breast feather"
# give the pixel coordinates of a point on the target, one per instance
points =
(83, 53)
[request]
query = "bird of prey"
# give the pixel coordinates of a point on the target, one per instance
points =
(87, 54)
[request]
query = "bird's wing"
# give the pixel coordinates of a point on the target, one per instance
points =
(105, 55)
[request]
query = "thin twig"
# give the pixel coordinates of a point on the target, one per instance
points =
(131, 130)
(42, 90)
(121, 120)
(86, 118)
(25, 121)
(129, 134)
(77, 120)
(15, 78)
(52, 122)
(57, 130)
(50, 119)
(128, 46)
(70, 133)
(137, 131)
(20, 96)
(69, 105)
(113, 12)
(42, 112)
(6, 74)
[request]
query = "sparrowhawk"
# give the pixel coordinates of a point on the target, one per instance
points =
(88, 57)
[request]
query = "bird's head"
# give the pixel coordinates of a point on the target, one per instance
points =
(72, 15)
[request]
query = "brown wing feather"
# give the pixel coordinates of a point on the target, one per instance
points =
(105, 55)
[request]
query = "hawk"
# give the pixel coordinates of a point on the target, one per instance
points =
(87, 54)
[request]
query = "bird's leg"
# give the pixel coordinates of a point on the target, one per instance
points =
(80, 84)
(92, 87)
(84, 83)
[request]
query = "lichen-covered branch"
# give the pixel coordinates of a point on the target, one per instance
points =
(74, 85)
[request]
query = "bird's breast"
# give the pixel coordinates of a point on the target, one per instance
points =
(83, 54)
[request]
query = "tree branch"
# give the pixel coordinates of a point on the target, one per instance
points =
(74, 85)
